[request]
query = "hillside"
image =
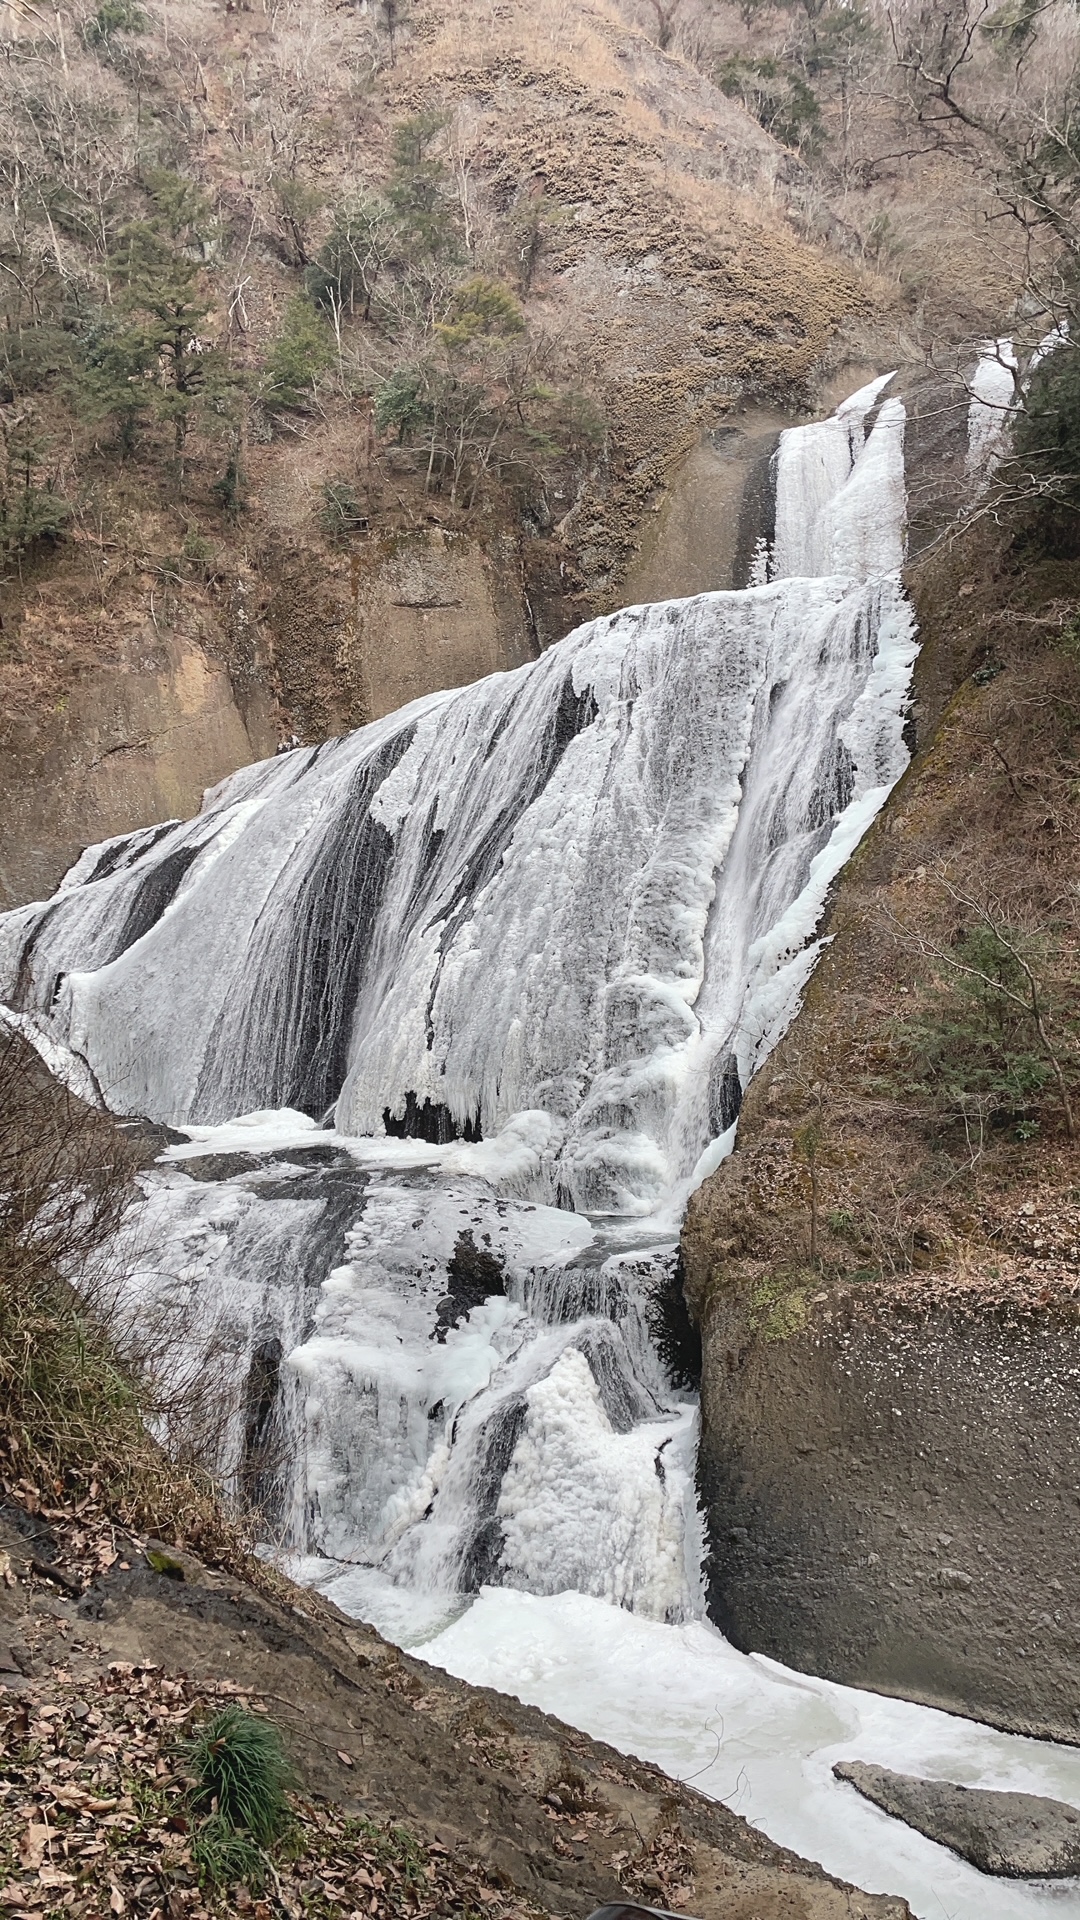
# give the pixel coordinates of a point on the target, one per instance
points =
(269, 472)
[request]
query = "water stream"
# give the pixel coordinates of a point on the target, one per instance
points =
(452, 1014)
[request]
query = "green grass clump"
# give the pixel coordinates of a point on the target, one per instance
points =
(778, 1304)
(227, 1857)
(241, 1775)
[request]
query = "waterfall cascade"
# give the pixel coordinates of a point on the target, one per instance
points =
(483, 983)
(522, 944)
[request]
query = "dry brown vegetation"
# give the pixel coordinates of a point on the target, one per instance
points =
(416, 1794)
(604, 187)
(174, 516)
(96, 1818)
(77, 1388)
(881, 164)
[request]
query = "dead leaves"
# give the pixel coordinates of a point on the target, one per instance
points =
(94, 1822)
(32, 1847)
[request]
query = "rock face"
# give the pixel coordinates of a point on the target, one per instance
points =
(892, 1499)
(356, 634)
(131, 740)
(1017, 1835)
(312, 643)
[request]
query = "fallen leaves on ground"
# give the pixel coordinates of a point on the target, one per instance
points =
(95, 1822)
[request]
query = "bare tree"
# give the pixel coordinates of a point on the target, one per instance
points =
(391, 14)
(666, 13)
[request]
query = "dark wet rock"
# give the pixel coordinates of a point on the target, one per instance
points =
(475, 1275)
(1019, 1835)
(151, 1135)
(323, 1155)
(218, 1166)
(430, 1121)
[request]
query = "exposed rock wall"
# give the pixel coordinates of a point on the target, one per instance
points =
(307, 641)
(357, 633)
(129, 742)
(894, 1499)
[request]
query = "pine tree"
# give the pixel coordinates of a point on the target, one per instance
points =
(302, 351)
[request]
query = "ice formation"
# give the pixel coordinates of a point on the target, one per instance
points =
(484, 982)
(992, 399)
(763, 1739)
(569, 892)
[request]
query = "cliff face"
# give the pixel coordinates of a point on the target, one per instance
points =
(892, 1496)
(887, 1270)
(240, 570)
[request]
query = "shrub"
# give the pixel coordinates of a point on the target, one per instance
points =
(230, 488)
(344, 274)
(400, 404)
(1046, 437)
(73, 1398)
(778, 97)
(341, 512)
(64, 1185)
(996, 1030)
(480, 306)
(114, 16)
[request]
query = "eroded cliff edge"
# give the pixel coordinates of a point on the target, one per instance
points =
(887, 1270)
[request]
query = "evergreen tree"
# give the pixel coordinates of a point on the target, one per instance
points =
(344, 276)
(146, 357)
(302, 351)
(417, 189)
(158, 341)
(30, 507)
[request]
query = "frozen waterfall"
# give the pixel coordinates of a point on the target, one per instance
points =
(570, 901)
(451, 1015)
(484, 982)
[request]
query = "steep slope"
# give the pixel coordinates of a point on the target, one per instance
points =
(510, 1807)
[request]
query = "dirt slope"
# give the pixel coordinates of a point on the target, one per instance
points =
(375, 1732)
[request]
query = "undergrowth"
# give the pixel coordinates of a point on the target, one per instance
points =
(72, 1412)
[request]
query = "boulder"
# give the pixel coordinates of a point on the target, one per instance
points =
(1015, 1834)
